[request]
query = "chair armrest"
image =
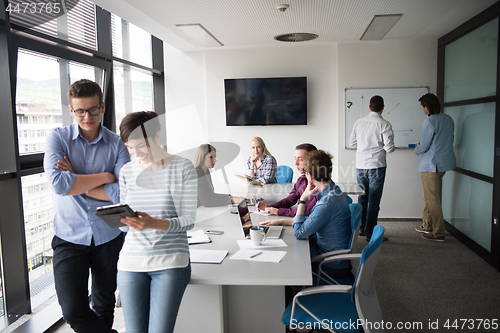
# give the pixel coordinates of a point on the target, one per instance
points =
(329, 254)
(336, 288)
(348, 256)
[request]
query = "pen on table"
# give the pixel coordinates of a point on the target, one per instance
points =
(255, 255)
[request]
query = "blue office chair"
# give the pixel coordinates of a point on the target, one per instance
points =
(334, 307)
(356, 211)
(285, 174)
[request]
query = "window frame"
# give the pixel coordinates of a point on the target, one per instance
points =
(14, 266)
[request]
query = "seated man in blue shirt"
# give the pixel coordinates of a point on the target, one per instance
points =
(82, 162)
(330, 218)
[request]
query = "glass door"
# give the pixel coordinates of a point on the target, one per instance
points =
(467, 85)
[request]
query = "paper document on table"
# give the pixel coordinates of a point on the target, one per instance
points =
(262, 212)
(207, 256)
(247, 243)
(256, 255)
(197, 237)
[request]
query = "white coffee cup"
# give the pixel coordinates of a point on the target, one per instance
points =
(257, 235)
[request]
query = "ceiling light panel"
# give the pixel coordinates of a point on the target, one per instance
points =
(199, 34)
(380, 26)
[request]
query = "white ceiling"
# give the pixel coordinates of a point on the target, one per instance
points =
(254, 23)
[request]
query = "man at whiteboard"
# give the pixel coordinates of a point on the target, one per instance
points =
(373, 138)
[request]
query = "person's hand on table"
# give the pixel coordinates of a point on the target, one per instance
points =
(271, 210)
(261, 205)
(236, 199)
(285, 221)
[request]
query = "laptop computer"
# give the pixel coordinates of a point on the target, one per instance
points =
(272, 232)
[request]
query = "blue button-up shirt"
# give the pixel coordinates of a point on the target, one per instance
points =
(330, 220)
(74, 219)
(436, 144)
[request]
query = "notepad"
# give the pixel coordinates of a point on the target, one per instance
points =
(257, 255)
(197, 237)
(207, 256)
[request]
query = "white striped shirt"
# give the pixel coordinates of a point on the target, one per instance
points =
(166, 193)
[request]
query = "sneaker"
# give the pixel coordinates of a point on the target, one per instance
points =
(361, 233)
(423, 229)
(430, 236)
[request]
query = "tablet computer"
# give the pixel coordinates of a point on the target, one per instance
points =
(242, 175)
(112, 214)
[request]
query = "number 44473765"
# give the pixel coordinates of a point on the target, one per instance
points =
(34, 8)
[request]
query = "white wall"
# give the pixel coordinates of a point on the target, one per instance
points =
(195, 100)
(385, 64)
(318, 63)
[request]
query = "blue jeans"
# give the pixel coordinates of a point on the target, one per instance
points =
(372, 182)
(71, 274)
(151, 300)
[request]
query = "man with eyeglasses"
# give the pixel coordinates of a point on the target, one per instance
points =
(82, 162)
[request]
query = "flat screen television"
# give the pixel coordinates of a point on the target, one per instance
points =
(266, 101)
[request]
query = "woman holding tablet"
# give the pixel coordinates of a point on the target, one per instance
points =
(154, 267)
(261, 164)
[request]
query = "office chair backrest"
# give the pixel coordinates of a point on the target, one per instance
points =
(356, 211)
(364, 294)
(285, 174)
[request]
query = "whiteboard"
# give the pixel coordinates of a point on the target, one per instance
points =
(402, 110)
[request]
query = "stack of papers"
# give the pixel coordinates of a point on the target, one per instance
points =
(257, 255)
(197, 237)
(207, 256)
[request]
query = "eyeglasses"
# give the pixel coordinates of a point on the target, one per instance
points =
(92, 111)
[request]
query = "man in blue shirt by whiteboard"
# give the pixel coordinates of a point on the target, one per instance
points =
(436, 148)
(82, 163)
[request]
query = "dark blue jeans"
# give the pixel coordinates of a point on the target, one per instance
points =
(72, 263)
(372, 182)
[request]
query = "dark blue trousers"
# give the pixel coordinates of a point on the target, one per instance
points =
(372, 182)
(72, 264)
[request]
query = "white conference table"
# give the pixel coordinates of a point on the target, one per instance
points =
(243, 296)
(236, 295)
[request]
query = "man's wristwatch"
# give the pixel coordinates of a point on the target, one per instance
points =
(301, 202)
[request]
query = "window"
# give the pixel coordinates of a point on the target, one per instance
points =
(37, 200)
(39, 96)
(77, 25)
(133, 91)
(52, 54)
(130, 42)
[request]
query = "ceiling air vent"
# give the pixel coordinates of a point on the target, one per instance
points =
(296, 37)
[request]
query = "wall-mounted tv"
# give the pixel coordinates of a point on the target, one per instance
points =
(266, 101)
